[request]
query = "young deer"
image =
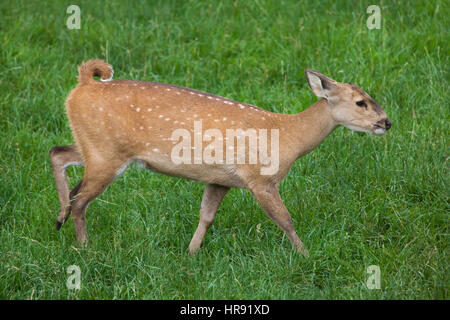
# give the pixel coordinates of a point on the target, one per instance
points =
(115, 123)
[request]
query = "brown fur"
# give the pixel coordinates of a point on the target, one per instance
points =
(118, 122)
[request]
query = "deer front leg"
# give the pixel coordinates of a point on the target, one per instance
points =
(62, 157)
(271, 202)
(212, 196)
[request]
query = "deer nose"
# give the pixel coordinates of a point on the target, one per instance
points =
(388, 124)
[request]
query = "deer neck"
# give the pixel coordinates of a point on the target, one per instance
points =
(311, 126)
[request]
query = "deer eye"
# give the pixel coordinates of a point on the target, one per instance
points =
(361, 104)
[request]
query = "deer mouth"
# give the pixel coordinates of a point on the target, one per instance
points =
(378, 130)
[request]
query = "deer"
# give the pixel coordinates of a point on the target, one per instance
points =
(119, 122)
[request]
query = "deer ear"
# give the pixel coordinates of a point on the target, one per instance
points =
(319, 84)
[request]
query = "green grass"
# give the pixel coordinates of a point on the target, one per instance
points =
(357, 200)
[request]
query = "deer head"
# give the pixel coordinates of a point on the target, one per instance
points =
(349, 105)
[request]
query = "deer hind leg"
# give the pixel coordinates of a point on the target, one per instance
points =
(212, 196)
(97, 177)
(271, 202)
(61, 158)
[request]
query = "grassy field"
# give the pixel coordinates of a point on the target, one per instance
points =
(357, 200)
